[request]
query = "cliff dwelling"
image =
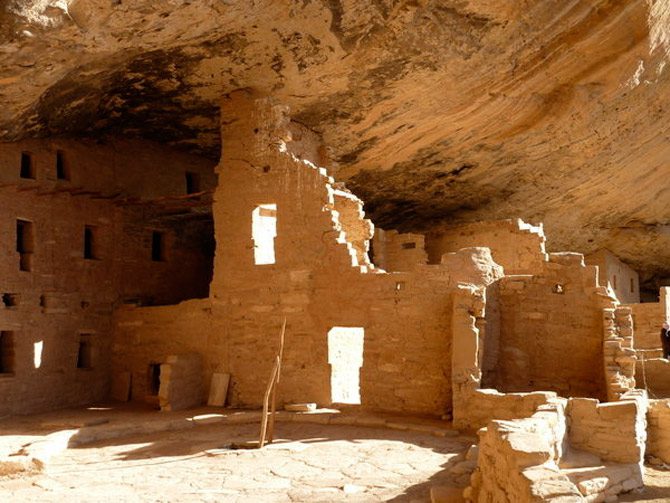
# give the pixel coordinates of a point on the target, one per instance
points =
(328, 251)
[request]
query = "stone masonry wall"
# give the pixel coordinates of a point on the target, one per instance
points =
(542, 318)
(658, 420)
(149, 335)
(614, 431)
(518, 461)
(653, 374)
(317, 281)
(132, 168)
(613, 273)
(648, 318)
(398, 252)
(58, 314)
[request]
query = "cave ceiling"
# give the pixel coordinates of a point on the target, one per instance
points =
(435, 111)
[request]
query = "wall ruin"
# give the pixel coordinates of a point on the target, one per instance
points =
(516, 245)
(622, 279)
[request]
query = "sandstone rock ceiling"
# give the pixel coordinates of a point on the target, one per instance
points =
(551, 110)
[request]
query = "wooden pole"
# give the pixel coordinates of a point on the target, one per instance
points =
(266, 398)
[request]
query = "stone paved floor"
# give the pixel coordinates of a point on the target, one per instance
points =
(309, 463)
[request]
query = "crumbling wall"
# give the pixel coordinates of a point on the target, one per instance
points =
(317, 281)
(541, 318)
(517, 246)
(619, 355)
(614, 431)
(398, 252)
(518, 461)
(622, 279)
(357, 229)
(531, 459)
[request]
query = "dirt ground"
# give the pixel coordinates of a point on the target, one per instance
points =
(656, 490)
(308, 463)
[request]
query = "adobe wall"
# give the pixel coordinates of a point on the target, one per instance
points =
(620, 277)
(66, 298)
(539, 319)
(517, 246)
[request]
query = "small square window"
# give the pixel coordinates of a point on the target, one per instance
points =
(409, 246)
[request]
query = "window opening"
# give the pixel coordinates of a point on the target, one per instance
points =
(37, 354)
(154, 384)
(614, 281)
(409, 246)
(345, 356)
(632, 285)
(157, 246)
(85, 352)
(62, 169)
(27, 166)
(6, 352)
(263, 233)
(192, 183)
(90, 243)
(25, 243)
(10, 299)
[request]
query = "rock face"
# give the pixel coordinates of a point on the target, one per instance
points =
(435, 110)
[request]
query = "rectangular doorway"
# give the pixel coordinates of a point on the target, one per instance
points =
(345, 356)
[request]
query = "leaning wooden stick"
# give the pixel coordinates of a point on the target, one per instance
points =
(271, 428)
(266, 398)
